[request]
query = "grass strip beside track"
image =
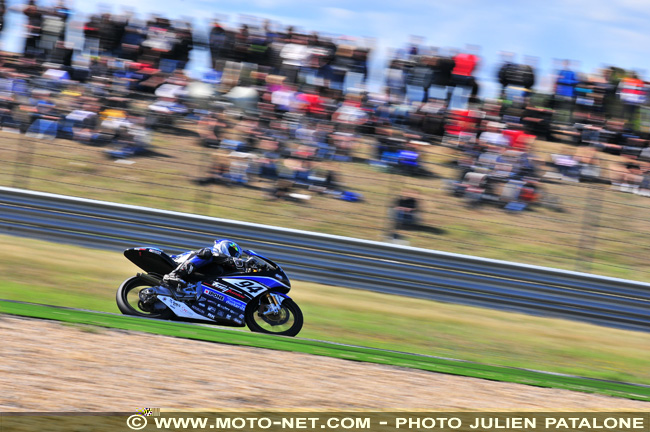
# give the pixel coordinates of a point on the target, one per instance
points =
(329, 349)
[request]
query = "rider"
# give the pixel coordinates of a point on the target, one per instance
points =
(225, 253)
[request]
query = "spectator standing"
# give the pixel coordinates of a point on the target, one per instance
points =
(3, 9)
(405, 212)
(442, 67)
(358, 73)
(182, 47)
(395, 82)
(269, 34)
(565, 89)
(462, 75)
(64, 13)
(53, 29)
(34, 24)
(106, 34)
(91, 35)
(632, 93)
(611, 103)
(62, 54)
(312, 60)
(340, 67)
(217, 43)
(419, 80)
(294, 55)
(242, 43)
(427, 73)
(360, 57)
(510, 73)
(131, 46)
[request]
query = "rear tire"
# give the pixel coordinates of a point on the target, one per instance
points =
(128, 300)
(287, 322)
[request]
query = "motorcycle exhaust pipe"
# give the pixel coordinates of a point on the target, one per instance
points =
(150, 279)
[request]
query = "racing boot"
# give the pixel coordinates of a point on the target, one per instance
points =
(181, 290)
(187, 293)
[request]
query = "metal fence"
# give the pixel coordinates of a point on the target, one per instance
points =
(337, 260)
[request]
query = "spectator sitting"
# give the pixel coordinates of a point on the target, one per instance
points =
(589, 163)
(282, 189)
(284, 98)
(626, 177)
(325, 179)
(518, 138)
(302, 173)
(62, 55)
(44, 117)
(493, 136)
(80, 124)
(209, 130)
(127, 144)
(351, 112)
(268, 169)
(312, 103)
(568, 166)
(217, 171)
(644, 187)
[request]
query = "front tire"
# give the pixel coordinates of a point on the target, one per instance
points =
(286, 322)
(129, 303)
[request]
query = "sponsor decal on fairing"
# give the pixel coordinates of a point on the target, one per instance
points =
(180, 309)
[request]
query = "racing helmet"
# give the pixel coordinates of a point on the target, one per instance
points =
(227, 248)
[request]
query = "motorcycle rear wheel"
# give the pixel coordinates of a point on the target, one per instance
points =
(129, 303)
(286, 322)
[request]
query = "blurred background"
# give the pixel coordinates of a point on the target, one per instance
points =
(511, 133)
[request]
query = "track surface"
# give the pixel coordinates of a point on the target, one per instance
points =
(322, 348)
(89, 369)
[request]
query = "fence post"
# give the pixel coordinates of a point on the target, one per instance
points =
(23, 163)
(590, 223)
(202, 197)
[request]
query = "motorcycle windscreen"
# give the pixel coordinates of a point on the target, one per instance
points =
(151, 260)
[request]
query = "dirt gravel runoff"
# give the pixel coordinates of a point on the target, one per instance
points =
(49, 366)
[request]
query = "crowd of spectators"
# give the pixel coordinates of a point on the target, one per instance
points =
(280, 104)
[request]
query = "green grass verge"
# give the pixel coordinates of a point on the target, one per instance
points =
(322, 348)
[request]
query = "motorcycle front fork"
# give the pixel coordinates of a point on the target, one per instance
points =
(274, 304)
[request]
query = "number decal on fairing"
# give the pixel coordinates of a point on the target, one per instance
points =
(248, 286)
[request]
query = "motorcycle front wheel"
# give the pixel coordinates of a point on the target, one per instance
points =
(129, 301)
(286, 321)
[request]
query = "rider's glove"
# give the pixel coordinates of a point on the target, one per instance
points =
(239, 263)
(251, 265)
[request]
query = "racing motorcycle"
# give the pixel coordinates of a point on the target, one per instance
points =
(255, 297)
